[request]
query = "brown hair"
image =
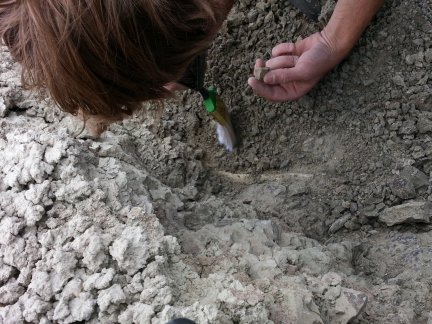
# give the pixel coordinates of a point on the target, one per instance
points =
(102, 58)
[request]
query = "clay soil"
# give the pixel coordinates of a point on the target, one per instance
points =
(341, 179)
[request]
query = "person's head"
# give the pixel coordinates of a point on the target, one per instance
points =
(104, 57)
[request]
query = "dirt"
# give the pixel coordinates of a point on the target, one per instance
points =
(322, 215)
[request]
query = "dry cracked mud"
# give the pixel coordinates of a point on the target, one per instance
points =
(323, 215)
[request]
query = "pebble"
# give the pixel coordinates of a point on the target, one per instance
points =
(402, 188)
(412, 212)
(260, 72)
(428, 56)
(415, 176)
(339, 223)
(398, 80)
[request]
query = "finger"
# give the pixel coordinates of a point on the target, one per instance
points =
(259, 63)
(284, 49)
(281, 62)
(272, 93)
(282, 76)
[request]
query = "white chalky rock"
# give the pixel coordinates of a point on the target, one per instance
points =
(54, 153)
(93, 246)
(239, 295)
(10, 292)
(19, 253)
(25, 276)
(3, 107)
(41, 285)
(157, 297)
(113, 295)
(137, 313)
(72, 289)
(39, 193)
(81, 307)
(348, 305)
(135, 286)
(33, 307)
(9, 229)
(99, 280)
(18, 205)
(90, 282)
(11, 314)
(264, 269)
(61, 310)
(131, 249)
(331, 279)
(6, 271)
(23, 162)
(75, 191)
(63, 264)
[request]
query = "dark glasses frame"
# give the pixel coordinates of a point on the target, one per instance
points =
(195, 73)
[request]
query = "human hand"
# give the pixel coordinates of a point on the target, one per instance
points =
(296, 68)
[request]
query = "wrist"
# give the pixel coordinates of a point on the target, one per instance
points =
(347, 23)
(339, 44)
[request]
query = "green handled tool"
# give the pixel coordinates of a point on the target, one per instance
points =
(218, 110)
(194, 79)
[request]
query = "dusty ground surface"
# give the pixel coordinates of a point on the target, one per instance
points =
(323, 215)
